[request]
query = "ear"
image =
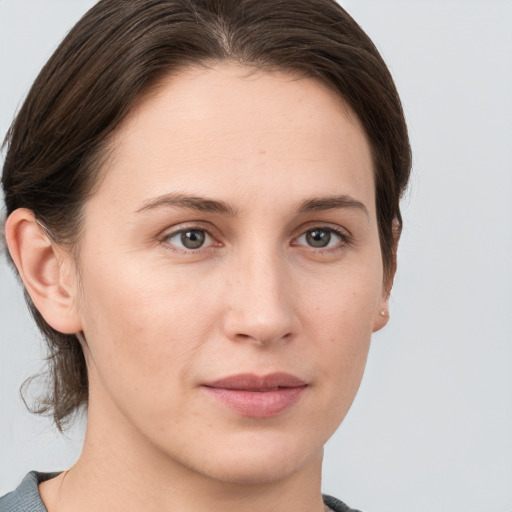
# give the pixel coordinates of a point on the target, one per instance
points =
(46, 269)
(381, 317)
(382, 312)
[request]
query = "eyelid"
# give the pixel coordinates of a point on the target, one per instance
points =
(345, 237)
(343, 234)
(169, 233)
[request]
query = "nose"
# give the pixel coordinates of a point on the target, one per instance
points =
(260, 307)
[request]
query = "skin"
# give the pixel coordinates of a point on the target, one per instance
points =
(160, 319)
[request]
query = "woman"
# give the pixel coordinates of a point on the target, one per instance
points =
(203, 207)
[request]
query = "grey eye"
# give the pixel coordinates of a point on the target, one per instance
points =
(318, 237)
(192, 238)
(189, 239)
(321, 238)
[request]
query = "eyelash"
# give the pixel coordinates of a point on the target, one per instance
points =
(344, 239)
(180, 232)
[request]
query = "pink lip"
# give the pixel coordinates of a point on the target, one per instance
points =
(257, 397)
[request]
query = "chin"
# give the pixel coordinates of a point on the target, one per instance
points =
(259, 464)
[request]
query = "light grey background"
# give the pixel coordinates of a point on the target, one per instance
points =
(431, 429)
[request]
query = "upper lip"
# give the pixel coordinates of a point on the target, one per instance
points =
(251, 382)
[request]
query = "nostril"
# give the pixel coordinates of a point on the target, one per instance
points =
(262, 325)
(263, 338)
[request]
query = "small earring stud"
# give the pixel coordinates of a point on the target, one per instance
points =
(383, 312)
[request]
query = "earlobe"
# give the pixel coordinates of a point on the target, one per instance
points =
(382, 311)
(45, 269)
(382, 316)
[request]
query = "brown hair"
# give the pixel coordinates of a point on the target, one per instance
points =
(118, 50)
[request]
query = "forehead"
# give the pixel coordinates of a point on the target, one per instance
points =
(229, 127)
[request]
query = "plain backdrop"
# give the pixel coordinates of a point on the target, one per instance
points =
(431, 428)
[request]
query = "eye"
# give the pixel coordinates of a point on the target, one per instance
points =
(321, 238)
(189, 239)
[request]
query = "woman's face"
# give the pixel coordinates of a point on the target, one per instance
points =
(230, 274)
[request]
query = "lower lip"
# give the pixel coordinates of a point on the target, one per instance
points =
(258, 404)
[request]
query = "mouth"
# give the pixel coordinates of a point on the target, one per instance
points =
(256, 396)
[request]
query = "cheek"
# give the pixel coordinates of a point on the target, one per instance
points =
(139, 299)
(340, 317)
(343, 303)
(142, 329)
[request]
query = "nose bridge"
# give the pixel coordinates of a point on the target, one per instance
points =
(261, 303)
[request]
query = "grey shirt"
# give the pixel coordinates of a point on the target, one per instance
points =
(26, 497)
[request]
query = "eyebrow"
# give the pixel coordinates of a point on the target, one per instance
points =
(199, 204)
(319, 204)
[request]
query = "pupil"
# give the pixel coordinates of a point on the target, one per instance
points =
(318, 238)
(192, 239)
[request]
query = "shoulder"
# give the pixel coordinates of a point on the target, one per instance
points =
(336, 505)
(26, 498)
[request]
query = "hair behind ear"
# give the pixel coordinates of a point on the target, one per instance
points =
(389, 274)
(47, 273)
